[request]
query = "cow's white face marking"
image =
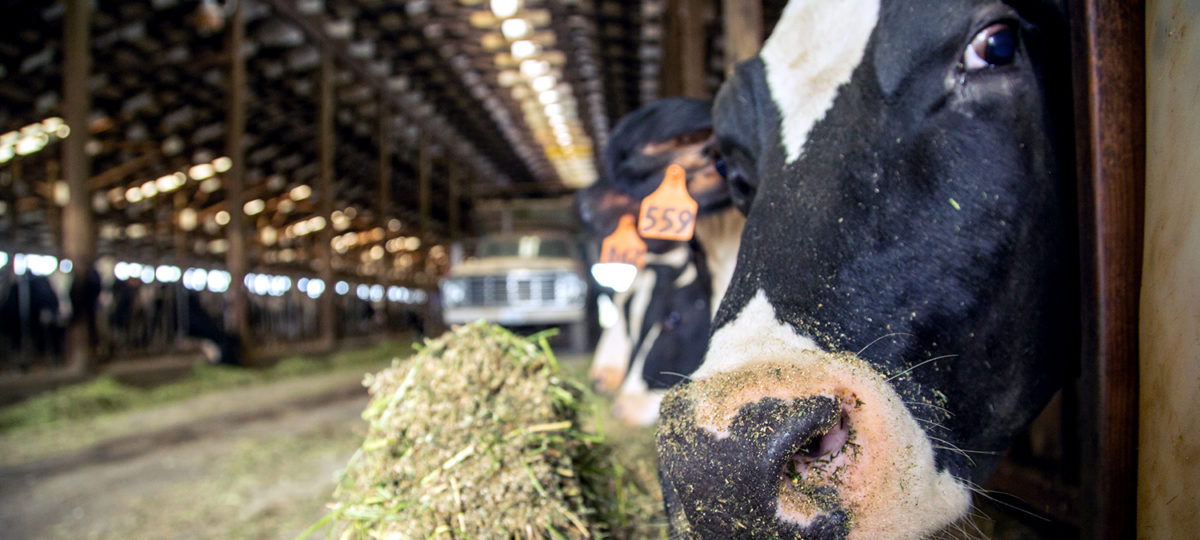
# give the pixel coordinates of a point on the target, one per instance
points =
(814, 49)
(635, 403)
(612, 351)
(720, 236)
(755, 334)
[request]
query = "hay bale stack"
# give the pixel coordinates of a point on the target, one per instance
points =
(476, 436)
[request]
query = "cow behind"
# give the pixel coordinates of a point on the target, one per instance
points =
(904, 298)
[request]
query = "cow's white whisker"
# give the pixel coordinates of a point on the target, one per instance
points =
(985, 493)
(919, 364)
(880, 338)
(677, 374)
(938, 407)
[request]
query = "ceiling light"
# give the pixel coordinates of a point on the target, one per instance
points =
(149, 189)
(254, 207)
(533, 68)
(548, 97)
(201, 171)
(222, 218)
(210, 185)
(523, 48)
(544, 83)
(222, 164)
(187, 219)
(514, 28)
(505, 8)
(133, 194)
(300, 192)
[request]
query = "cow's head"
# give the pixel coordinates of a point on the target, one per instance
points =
(664, 316)
(904, 294)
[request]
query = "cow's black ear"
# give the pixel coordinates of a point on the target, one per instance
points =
(600, 207)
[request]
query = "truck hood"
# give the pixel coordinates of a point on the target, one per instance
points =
(500, 265)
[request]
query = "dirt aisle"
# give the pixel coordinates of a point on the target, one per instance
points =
(263, 471)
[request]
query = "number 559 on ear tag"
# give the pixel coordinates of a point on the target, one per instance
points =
(624, 245)
(670, 212)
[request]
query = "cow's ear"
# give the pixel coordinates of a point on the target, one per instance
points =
(600, 207)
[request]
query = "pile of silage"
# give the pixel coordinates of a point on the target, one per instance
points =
(477, 436)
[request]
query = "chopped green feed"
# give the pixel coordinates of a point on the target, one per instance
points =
(479, 435)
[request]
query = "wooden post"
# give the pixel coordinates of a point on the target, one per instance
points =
(1111, 155)
(78, 231)
(454, 204)
(324, 250)
(235, 177)
(425, 181)
(743, 31)
(385, 176)
(684, 67)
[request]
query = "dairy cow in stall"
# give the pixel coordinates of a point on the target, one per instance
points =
(664, 316)
(904, 295)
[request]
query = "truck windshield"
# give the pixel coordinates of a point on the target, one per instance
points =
(524, 246)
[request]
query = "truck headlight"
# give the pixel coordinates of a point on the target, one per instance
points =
(454, 292)
(570, 287)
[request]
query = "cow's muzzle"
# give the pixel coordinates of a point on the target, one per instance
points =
(817, 447)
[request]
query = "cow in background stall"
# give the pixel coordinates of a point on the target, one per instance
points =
(664, 316)
(905, 295)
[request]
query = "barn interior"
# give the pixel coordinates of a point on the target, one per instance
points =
(298, 175)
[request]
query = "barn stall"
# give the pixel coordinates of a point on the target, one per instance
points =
(291, 176)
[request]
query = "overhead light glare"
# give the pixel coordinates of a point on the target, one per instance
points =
(201, 171)
(548, 97)
(505, 8)
(514, 28)
(544, 83)
(523, 48)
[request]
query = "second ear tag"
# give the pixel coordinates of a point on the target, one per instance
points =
(670, 212)
(624, 245)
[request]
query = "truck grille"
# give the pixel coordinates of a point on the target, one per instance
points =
(508, 290)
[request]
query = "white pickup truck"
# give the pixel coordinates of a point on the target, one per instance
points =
(528, 279)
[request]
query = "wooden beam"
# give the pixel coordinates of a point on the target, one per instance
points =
(425, 185)
(684, 69)
(325, 127)
(385, 175)
(743, 30)
(235, 178)
(78, 230)
(454, 202)
(1109, 41)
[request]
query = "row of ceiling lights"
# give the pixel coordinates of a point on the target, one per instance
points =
(546, 102)
(32, 138)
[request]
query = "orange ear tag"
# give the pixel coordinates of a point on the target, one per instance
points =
(624, 245)
(670, 212)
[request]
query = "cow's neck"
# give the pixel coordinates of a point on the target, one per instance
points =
(719, 235)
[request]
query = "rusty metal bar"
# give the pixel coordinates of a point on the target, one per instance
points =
(1109, 43)
(78, 230)
(235, 177)
(324, 250)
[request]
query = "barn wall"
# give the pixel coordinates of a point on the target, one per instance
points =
(1169, 438)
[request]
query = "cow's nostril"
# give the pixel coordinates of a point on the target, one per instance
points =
(822, 447)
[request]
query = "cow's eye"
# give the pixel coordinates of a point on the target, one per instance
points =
(719, 164)
(994, 46)
(672, 321)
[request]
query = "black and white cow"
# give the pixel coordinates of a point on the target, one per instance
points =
(904, 296)
(664, 317)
